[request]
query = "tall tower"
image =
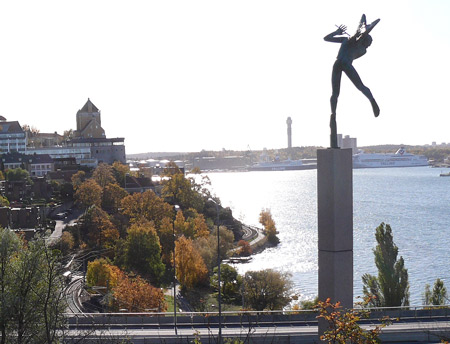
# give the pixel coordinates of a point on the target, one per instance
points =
(289, 132)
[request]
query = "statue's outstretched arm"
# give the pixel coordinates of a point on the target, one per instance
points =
(332, 36)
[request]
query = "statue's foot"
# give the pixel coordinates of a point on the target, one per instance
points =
(375, 108)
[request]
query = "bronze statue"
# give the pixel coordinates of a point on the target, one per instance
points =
(351, 48)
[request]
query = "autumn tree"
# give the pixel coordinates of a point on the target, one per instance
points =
(391, 287)
(89, 193)
(136, 295)
(103, 175)
(143, 251)
(96, 229)
(192, 227)
(344, 327)
(207, 246)
(146, 206)
(78, 179)
(265, 218)
(266, 289)
(244, 248)
(112, 197)
(191, 270)
(120, 172)
(180, 190)
(101, 273)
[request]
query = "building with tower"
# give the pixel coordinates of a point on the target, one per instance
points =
(89, 122)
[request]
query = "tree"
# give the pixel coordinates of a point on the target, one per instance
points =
(78, 179)
(89, 193)
(230, 282)
(101, 273)
(343, 327)
(265, 218)
(390, 288)
(436, 297)
(112, 197)
(9, 246)
(36, 299)
(136, 295)
(143, 251)
(120, 172)
(146, 205)
(96, 229)
(244, 248)
(18, 174)
(180, 190)
(103, 175)
(191, 270)
(266, 289)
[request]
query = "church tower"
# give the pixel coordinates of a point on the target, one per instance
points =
(89, 124)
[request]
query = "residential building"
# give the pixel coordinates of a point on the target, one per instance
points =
(12, 137)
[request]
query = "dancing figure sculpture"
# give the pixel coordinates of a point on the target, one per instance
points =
(351, 48)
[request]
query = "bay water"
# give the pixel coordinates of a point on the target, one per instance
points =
(415, 201)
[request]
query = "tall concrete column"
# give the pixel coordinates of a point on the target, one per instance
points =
(335, 225)
(289, 131)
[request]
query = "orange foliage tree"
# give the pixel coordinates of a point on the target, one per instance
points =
(146, 205)
(265, 218)
(112, 197)
(136, 295)
(89, 193)
(103, 175)
(191, 270)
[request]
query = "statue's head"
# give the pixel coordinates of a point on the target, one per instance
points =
(367, 41)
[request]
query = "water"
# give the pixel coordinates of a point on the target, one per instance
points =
(414, 201)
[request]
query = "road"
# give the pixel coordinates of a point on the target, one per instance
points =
(60, 224)
(410, 332)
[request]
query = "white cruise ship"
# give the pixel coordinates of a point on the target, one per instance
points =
(399, 159)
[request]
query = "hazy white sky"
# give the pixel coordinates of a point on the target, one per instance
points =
(192, 75)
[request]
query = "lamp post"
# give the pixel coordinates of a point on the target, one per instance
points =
(177, 208)
(218, 271)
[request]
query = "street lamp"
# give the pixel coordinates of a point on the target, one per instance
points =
(218, 271)
(177, 208)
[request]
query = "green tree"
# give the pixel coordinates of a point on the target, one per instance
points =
(36, 296)
(266, 289)
(9, 246)
(18, 174)
(391, 287)
(436, 297)
(143, 251)
(230, 282)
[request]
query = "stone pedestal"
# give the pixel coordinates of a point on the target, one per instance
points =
(335, 225)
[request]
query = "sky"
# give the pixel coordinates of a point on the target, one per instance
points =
(185, 76)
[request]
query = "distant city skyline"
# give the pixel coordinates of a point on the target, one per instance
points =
(187, 76)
